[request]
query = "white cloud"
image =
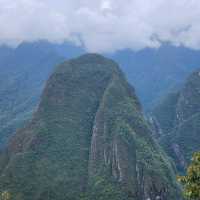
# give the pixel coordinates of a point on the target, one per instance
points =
(102, 25)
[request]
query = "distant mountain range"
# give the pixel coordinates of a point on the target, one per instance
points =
(24, 71)
(155, 72)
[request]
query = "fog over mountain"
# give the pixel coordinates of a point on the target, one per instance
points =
(102, 25)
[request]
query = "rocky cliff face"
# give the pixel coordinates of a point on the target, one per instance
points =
(179, 117)
(87, 140)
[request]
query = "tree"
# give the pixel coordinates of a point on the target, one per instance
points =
(5, 195)
(191, 182)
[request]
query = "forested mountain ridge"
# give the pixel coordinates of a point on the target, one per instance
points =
(179, 119)
(156, 72)
(24, 71)
(87, 140)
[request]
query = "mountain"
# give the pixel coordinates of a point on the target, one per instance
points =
(25, 69)
(179, 119)
(156, 72)
(88, 140)
(23, 73)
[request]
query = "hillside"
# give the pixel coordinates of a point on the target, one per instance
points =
(24, 71)
(179, 116)
(88, 140)
(156, 72)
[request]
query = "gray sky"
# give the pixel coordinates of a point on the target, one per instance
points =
(102, 25)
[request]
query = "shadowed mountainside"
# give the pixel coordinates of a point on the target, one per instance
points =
(178, 116)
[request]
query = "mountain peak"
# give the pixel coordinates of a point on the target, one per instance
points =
(88, 140)
(93, 58)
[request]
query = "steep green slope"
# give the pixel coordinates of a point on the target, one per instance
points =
(179, 117)
(23, 73)
(87, 140)
(165, 113)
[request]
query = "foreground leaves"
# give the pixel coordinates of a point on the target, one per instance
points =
(191, 182)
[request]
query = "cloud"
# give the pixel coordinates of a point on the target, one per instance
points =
(102, 25)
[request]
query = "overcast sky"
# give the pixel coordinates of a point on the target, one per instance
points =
(102, 25)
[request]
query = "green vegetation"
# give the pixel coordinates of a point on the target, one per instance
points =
(88, 140)
(5, 195)
(165, 112)
(24, 71)
(179, 119)
(191, 182)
